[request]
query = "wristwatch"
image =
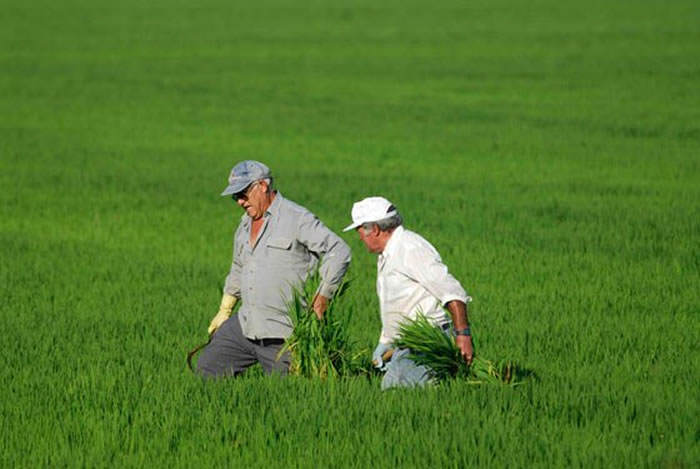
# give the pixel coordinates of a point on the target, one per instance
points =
(466, 332)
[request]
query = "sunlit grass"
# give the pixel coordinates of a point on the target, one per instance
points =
(549, 151)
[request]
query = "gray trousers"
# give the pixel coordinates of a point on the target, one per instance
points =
(230, 353)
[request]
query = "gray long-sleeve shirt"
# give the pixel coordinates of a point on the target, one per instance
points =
(287, 249)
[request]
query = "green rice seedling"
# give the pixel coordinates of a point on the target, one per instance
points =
(552, 160)
(431, 347)
(319, 348)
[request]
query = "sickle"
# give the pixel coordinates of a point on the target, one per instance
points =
(194, 351)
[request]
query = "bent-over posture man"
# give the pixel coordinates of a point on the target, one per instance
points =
(276, 246)
(411, 278)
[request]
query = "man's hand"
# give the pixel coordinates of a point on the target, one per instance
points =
(218, 320)
(227, 303)
(320, 305)
(378, 355)
(464, 343)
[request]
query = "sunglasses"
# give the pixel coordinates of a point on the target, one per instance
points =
(245, 193)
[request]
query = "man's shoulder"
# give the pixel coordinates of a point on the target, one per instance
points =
(290, 205)
(243, 221)
(411, 238)
(294, 211)
(412, 242)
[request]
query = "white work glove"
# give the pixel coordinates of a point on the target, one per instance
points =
(377, 355)
(227, 302)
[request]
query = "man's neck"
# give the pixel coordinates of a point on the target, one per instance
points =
(270, 198)
(268, 202)
(384, 237)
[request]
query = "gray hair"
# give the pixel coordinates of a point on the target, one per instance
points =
(268, 181)
(385, 224)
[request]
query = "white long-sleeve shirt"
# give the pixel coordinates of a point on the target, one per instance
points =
(411, 278)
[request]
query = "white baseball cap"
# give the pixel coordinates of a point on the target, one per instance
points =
(370, 210)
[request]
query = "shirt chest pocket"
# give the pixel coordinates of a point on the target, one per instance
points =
(279, 248)
(282, 244)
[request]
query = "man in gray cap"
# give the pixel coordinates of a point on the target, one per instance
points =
(411, 279)
(276, 246)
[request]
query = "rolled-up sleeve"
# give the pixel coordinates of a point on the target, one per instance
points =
(429, 270)
(334, 253)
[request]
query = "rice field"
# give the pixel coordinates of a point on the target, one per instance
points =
(549, 150)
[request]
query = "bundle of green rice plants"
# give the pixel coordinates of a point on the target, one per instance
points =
(319, 348)
(431, 347)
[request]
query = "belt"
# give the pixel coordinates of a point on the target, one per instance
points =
(264, 342)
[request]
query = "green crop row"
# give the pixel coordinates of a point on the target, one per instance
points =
(549, 150)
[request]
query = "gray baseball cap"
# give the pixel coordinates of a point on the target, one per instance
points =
(244, 174)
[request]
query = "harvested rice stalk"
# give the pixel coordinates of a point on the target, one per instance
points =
(431, 347)
(319, 348)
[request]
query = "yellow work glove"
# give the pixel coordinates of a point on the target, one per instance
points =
(227, 302)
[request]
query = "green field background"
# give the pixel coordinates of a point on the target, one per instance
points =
(548, 149)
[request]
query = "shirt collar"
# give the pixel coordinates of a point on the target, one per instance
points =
(393, 244)
(273, 209)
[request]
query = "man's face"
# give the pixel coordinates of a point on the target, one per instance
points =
(253, 199)
(370, 238)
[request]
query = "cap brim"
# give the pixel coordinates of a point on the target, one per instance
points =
(356, 224)
(235, 187)
(352, 226)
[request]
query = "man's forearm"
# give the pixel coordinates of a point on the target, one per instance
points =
(333, 252)
(334, 264)
(458, 311)
(463, 338)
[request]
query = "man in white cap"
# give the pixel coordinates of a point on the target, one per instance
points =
(411, 278)
(276, 246)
